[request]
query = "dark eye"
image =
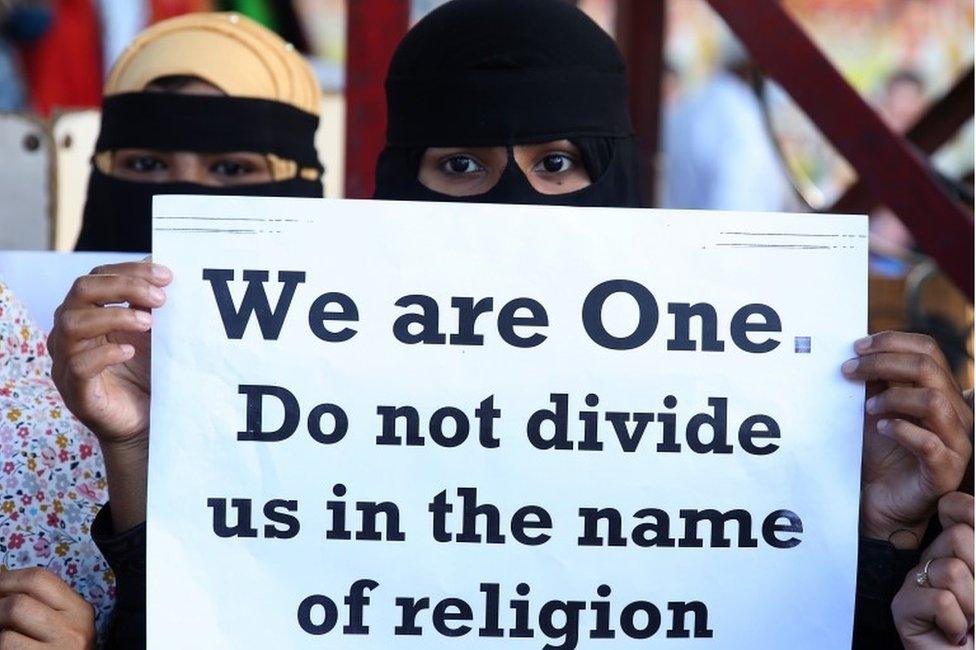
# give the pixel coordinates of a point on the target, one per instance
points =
(231, 168)
(461, 165)
(556, 163)
(145, 164)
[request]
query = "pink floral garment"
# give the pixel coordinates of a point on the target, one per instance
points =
(52, 480)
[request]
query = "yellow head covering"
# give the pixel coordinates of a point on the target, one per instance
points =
(229, 51)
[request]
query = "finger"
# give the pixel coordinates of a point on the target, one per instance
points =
(890, 341)
(91, 290)
(145, 269)
(92, 322)
(903, 367)
(955, 541)
(21, 613)
(89, 363)
(956, 508)
(10, 640)
(42, 585)
(953, 574)
(917, 369)
(939, 607)
(926, 446)
(930, 406)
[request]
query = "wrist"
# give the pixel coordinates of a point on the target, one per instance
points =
(127, 469)
(901, 534)
(128, 449)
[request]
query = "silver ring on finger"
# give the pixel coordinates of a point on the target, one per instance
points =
(922, 577)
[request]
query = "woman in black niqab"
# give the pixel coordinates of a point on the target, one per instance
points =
(530, 95)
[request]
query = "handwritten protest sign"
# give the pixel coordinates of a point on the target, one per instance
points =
(420, 425)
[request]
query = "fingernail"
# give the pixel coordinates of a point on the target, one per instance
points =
(128, 350)
(862, 344)
(849, 366)
(871, 405)
(157, 294)
(883, 425)
(161, 272)
(144, 318)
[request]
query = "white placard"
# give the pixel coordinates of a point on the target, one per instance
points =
(663, 388)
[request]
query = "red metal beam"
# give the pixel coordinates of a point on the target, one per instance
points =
(944, 119)
(941, 121)
(373, 30)
(886, 164)
(640, 35)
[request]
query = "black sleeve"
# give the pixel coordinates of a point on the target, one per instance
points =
(881, 569)
(126, 554)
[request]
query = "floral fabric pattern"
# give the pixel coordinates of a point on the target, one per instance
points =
(52, 479)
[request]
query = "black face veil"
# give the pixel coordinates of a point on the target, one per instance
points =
(118, 212)
(503, 73)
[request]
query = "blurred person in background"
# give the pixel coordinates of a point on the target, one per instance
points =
(205, 103)
(717, 150)
(903, 100)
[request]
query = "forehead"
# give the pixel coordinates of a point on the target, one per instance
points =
(130, 152)
(551, 144)
(184, 86)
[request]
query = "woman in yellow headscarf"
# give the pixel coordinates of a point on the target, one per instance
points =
(206, 103)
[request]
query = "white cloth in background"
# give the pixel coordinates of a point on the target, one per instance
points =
(121, 20)
(718, 153)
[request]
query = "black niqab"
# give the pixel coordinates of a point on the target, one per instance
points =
(118, 212)
(502, 73)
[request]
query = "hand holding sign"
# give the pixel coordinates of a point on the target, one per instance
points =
(916, 434)
(100, 354)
